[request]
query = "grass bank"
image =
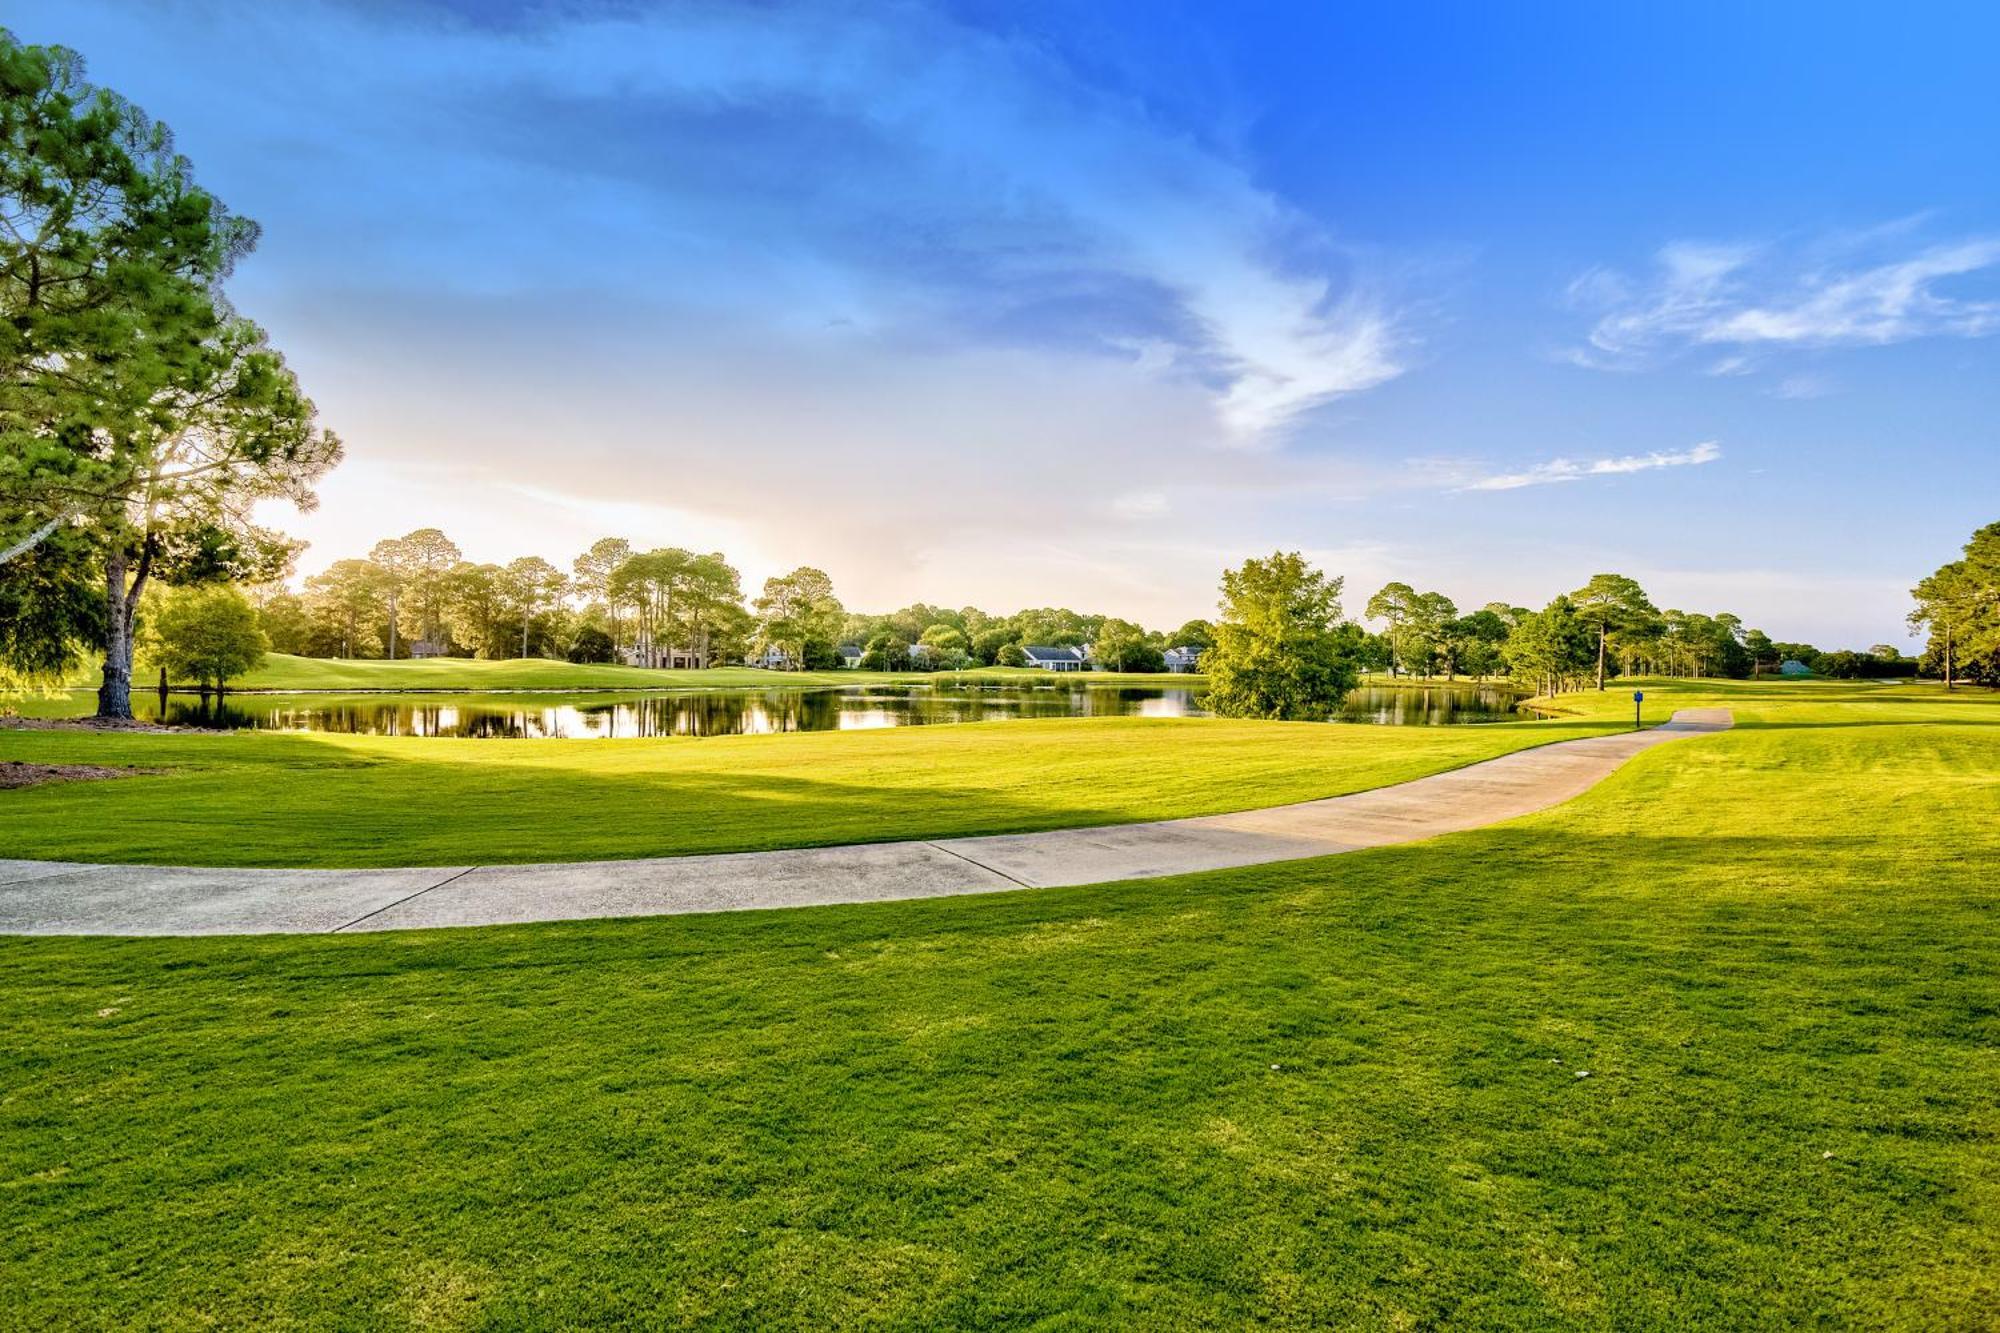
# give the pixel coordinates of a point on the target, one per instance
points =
(1711, 1047)
(331, 800)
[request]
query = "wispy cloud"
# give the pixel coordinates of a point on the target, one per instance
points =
(1840, 292)
(1579, 469)
(889, 170)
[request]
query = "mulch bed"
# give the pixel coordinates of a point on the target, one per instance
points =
(14, 774)
(82, 724)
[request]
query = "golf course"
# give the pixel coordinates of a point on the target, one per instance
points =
(1022, 667)
(1712, 1045)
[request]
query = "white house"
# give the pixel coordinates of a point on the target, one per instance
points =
(675, 659)
(1182, 660)
(426, 648)
(1792, 667)
(773, 658)
(1054, 659)
(850, 655)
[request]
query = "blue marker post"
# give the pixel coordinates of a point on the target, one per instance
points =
(1638, 697)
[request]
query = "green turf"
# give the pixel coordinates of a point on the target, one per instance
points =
(285, 673)
(331, 800)
(1337, 1093)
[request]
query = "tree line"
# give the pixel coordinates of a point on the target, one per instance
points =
(1607, 627)
(418, 594)
(1282, 648)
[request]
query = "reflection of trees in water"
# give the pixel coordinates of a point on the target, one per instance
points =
(1430, 705)
(717, 714)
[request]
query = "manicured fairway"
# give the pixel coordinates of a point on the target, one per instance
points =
(1347, 1092)
(332, 800)
(283, 672)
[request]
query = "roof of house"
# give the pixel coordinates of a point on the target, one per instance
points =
(849, 650)
(1044, 653)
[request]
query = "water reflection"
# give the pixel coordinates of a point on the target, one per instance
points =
(722, 713)
(1430, 705)
(739, 712)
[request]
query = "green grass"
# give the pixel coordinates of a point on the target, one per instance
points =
(284, 673)
(332, 800)
(1331, 1093)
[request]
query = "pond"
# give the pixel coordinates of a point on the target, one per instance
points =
(751, 712)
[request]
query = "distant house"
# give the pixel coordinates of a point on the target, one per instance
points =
(1791, 667)
(670, 659)
(1054, 659)
(922, 655)
(428, 648)
(1182, 660)
(773, 658)
(850, 655)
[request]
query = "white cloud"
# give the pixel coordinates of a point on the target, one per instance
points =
(1573, 469)
(1845, 292)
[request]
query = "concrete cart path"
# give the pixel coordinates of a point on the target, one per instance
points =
(64, 898)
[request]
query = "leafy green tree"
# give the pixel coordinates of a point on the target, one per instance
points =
(207, 635)
(1477, 641)
(350, 596)
(684, 601)
(590, 576)
(800, 614)
(528, 585)
(1959, 604)
(1055, 626)
(1278, 648)
(1762, 651)
(134, 407)
(108, 258)
(591, 644)
(591, 571)
(286, 621)
(986, 644)
(1393, 605)
(1122, 646)
(51, 609)
(945, 639)
(1373, 652)
(886, 652)
(1196, 634)
(1611, 604)
(1802, 653)
(1551, 647)
(1427, 625)
(1011, 655)
(472, 610)
(393, 563)
(432, 561)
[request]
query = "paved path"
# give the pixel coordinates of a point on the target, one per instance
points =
(67, 898)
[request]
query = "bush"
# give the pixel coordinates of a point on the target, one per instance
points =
(1011, 655)
(207, 636)
(591, 645)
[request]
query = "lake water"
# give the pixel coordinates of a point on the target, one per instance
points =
(751, 712)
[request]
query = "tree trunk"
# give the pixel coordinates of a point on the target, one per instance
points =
(524, 633)
(114, 695)
(1600, 657)
(392, 624)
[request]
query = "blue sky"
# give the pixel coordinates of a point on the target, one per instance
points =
(1019, 304)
